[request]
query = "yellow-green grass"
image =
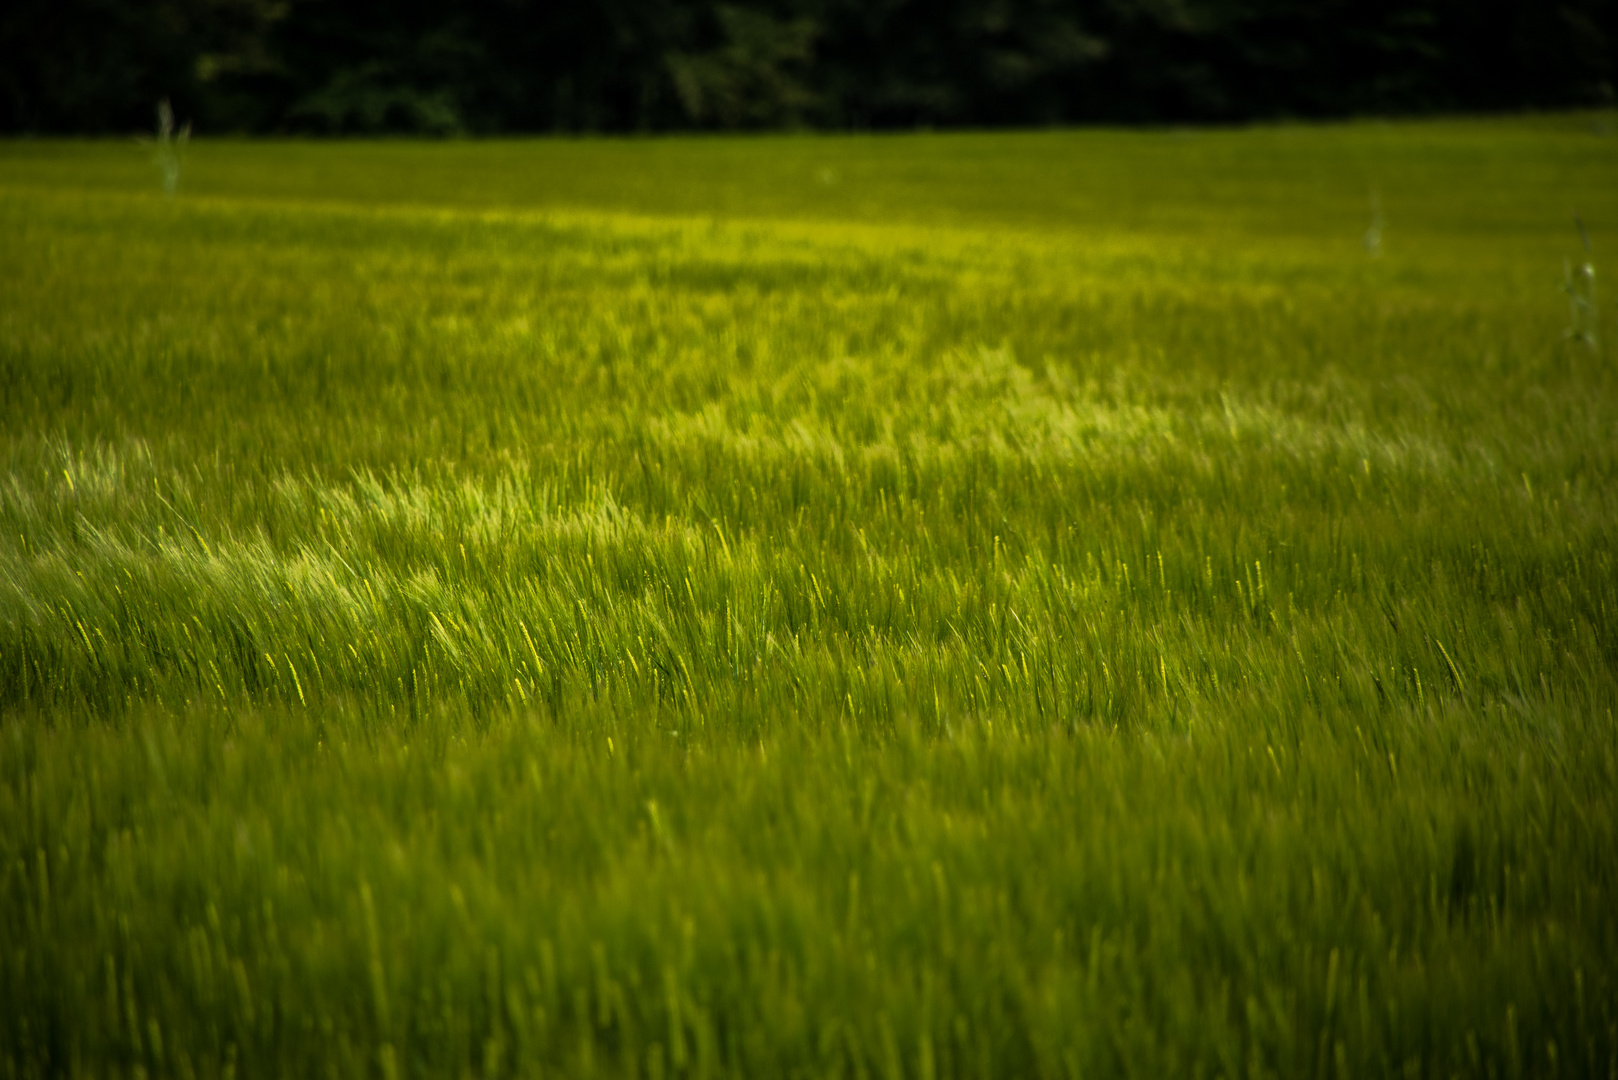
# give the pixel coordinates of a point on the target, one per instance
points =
(1043, 604)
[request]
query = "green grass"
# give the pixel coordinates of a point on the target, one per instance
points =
(1034, 605)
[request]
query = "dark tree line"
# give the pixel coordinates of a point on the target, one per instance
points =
(484, 66)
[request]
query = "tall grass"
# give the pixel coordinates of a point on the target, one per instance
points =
(1130, 634)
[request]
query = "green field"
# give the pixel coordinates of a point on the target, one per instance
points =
(1008, 605)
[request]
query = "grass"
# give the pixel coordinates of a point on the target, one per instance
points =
(972, 605)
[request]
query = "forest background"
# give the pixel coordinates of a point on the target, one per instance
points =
(493, 66)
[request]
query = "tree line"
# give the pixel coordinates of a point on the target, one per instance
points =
(491, 66)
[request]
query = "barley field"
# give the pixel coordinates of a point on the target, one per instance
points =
(1054, 604)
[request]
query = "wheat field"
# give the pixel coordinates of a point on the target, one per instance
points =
(1057, 604)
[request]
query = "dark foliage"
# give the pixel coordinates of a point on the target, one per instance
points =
(344, 66)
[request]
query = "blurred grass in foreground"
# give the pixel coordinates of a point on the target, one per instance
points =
(1027, 605)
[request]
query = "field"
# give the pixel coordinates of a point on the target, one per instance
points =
(1058, 604)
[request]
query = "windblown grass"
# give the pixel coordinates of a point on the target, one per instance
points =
(1033, 605)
